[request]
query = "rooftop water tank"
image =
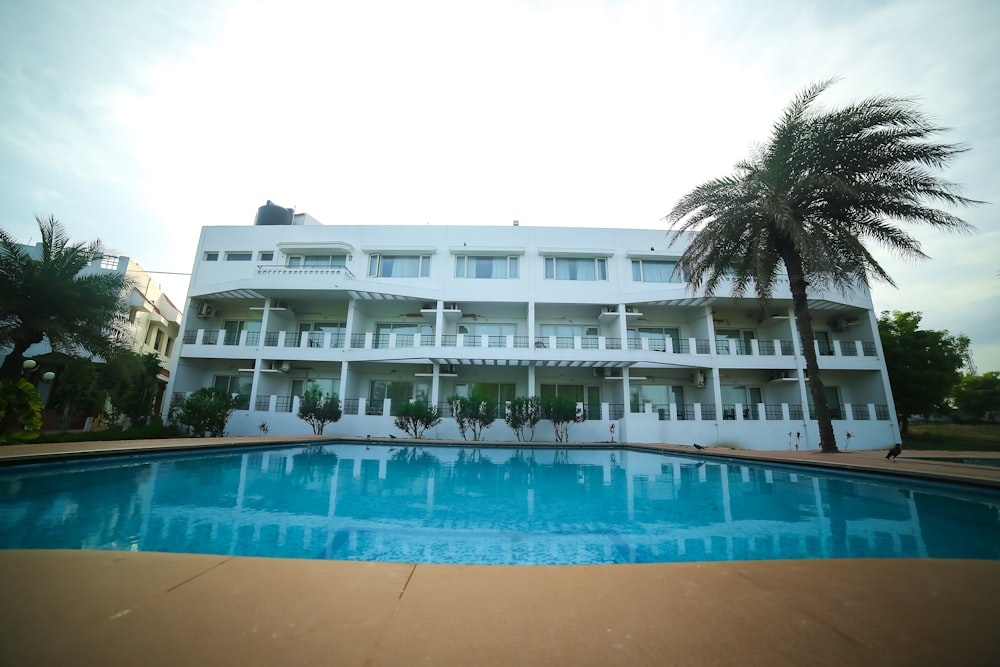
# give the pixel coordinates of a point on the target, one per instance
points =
(272, 214)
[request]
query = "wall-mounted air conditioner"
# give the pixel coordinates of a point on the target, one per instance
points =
(205, 310)
(698, 378)
(599, 372)
(843, 323)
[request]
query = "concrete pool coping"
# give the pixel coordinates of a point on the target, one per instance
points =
(125, 608)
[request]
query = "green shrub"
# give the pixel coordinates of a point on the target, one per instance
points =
(205, 411)
(317, 409)
(416, 417)
(523, 414)
(473, 414)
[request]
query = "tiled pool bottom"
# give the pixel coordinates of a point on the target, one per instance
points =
(498, 506)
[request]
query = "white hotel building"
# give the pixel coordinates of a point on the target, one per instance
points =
(381, 315)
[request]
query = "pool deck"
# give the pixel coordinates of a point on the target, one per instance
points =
(126, 608)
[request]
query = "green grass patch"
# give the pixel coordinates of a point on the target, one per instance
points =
(953, 437)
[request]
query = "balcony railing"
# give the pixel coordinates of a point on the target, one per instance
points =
(311, 271)
(667, 345)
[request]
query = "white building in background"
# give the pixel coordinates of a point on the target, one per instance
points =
(381, 315)
(153, 325)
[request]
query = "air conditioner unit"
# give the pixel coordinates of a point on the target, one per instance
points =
(205, 310)
(285, 366)
(843, 324)
(279, 304)
(698, 378)
(599, 371)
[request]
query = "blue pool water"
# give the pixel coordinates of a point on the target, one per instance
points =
(375, 502)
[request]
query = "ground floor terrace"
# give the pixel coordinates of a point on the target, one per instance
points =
(759, 426)
(122, 608)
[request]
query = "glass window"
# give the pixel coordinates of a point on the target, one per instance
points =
(576, 268)
(573, 392)
(399, 266)
(170, 347)
(158, 341)
(266, 256)
(109, 262)
(211, 257)
(468, 266)
(407, 334)
(239, 256)
(657, 337)
(656, 271)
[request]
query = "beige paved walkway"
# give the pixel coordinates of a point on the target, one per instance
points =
(122, 608)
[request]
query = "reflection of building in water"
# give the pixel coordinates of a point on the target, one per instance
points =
(502, 505)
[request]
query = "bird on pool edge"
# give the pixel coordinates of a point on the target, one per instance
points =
(894, 452)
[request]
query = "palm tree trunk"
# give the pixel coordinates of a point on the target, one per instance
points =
(803, 323)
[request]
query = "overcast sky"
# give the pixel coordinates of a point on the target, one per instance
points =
(139, 121)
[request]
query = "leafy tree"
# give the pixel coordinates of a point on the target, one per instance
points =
(131, 384)
(317, 409)
(416, 417)
(205, 411)
(562, 412)
(20, 410)
(978, 395)
(805, 202)
(79, 389)
(48, 299)
(523, 414)
(473, 414)
(923, 365)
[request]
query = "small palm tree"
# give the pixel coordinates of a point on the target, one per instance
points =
(48, 299)
(806, 201)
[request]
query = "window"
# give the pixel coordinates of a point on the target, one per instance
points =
(734, 341)
(407, 334)
(496, 393)
(239, 256)
(317, 331)
(170, 347)
(232, 329)
(149, 335)
(236, 385)
(266, 256)
(496, 333)
(158, 341)
(657, 271)
(211, 256)
(573, 392)
(658, 395)
(467, 266)
(656, 336)
(399, 266)
(316, 261)
(576, 268)
(109, 262)
(400, 393)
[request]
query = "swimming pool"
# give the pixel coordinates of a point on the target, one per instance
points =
(378, 502)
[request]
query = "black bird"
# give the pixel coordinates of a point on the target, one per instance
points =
(894, 452)
(392, 436)
(697, 446)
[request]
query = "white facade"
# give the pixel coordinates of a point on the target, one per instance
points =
(379, 315)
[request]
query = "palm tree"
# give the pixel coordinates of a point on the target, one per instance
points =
(48, 299)
(805, 202)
